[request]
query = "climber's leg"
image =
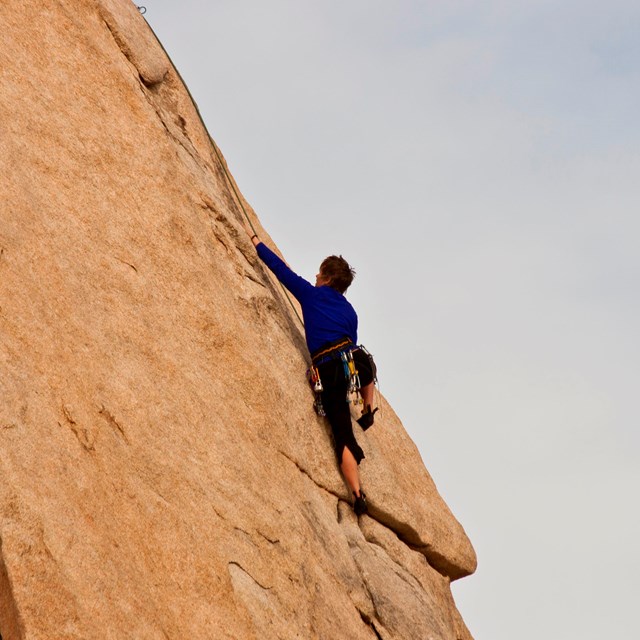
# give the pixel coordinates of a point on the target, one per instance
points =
(334, 401)
(348, 451)
(349, 468)
(367, 393)
(367, 374)
(366, 419)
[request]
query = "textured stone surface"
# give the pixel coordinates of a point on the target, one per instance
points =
(162, 473)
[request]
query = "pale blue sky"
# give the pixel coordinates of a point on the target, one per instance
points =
(479, 164)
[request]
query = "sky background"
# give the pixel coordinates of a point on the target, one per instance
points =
(479, 164)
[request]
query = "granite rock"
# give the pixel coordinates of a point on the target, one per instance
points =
(162, 472)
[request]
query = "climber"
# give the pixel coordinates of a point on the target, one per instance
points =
(331, 326)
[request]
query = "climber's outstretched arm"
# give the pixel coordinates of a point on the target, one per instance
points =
(298, 286)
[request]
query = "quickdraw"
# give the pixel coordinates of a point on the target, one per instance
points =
(313, 375)
(352, 377)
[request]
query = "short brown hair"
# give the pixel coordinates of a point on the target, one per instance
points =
(338, 272)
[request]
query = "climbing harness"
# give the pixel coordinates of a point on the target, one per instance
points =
(330, 351)
(342, 350)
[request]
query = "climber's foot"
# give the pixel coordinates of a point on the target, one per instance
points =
(366, 419)
(360, 503)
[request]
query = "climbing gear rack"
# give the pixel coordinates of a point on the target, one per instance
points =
(352, 377)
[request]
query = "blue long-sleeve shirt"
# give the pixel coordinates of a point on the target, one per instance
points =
(327, 314)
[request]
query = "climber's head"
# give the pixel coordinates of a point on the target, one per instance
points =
(335, 272)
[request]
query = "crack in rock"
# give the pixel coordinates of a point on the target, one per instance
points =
(406, 534)
(234, 563)
(83, 435)
(306, 473)
(135, 39)
(369, 622)
(190, 149)
(127, 263)
(114, 424)
(267, 538)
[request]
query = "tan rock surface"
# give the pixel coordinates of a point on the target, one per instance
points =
(162, 473)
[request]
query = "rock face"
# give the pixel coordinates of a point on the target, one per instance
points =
(162, 472)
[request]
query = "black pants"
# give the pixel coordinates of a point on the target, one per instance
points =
(334, 400)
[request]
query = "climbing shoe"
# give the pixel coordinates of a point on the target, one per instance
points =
(366, 419)
(360, 503)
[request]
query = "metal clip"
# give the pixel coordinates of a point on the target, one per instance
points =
(314, 376)
(317, 405)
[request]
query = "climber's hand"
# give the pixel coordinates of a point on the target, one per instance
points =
(251, 233)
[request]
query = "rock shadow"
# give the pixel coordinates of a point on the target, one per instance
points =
(10, 623)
